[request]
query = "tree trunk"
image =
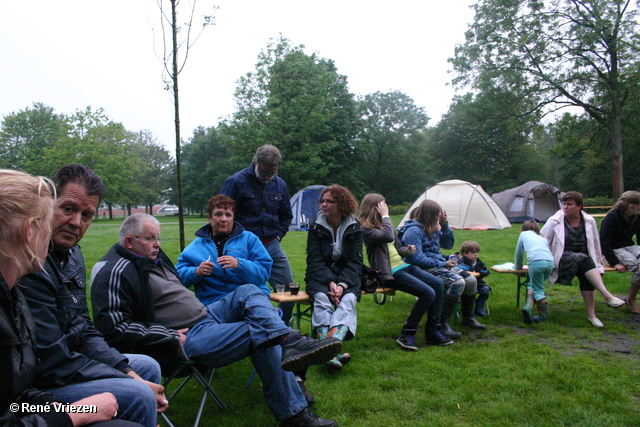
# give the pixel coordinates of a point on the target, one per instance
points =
(176, 104)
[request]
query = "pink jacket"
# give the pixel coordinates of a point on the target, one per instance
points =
(553, 231)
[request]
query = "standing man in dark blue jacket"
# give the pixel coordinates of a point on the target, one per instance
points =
(263, 208)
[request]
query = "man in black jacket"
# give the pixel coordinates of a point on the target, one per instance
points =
(76, 361)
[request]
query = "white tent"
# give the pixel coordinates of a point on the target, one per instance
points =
(467, 206)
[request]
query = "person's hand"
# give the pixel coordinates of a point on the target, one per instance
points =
(204, 269)
(161, 399)
(227, 261)
(335, 293)
(621, 268)
(382, 208)
(411, 249)
(157, 389)
(451, 263)
(106, 409)
(182, 333)
(442, 218)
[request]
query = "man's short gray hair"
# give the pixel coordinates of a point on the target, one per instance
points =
(133, 225)
(268, 155)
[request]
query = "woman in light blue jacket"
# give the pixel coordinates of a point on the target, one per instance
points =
(223, 256)
(540, 265)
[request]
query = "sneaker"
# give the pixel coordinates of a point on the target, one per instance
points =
(306, 418)
(306, 393)
(306, 351)
(615, 302)
(438, 338)
(407, 342)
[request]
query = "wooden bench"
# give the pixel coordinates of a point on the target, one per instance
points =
(304, 299)
(524, 274)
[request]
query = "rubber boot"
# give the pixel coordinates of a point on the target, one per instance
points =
(448, 305)
(543, 313)
(480, 305)
(467, 302)
(526, 310)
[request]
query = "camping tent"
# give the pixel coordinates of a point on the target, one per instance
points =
(467, 206)
(533, 200)
(304, 205)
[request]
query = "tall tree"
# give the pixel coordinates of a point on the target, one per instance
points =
(173, 65)
(476, 143)
(557, 53)
(301, 104)
(394, 164)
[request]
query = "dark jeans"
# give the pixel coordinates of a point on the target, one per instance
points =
(430, 292)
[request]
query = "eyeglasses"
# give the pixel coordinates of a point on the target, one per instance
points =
(148, 239)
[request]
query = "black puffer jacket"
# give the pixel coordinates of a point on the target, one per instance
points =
(18, 363)
(323, 269)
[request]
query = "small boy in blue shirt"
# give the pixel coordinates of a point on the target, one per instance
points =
(469, 261)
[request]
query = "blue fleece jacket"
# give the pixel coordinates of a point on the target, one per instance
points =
(428, 253)
(254, 264)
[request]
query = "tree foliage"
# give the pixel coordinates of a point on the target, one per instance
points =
(206, 166)
(395, 156)
(475, 142)
(26, 135)
(557, 53)
(301, 104)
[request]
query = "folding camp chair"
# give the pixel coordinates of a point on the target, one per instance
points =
(176, 364)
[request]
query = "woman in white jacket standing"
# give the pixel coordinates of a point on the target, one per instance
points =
(575, 245)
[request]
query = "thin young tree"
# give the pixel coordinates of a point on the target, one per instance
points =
(173, 45)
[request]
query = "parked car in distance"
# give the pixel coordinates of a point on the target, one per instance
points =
(169, 211)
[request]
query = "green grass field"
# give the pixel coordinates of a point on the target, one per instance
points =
(561, 373)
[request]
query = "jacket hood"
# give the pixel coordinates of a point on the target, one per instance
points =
(407, 224)
(204, 232)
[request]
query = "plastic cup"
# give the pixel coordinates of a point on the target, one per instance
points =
(280, 289)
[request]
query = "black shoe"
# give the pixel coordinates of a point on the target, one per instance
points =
(472, 323)
(306, 393)
(307, 351)
(306, 418)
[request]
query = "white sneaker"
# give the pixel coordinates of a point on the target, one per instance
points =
(596, 322)
(615, 302)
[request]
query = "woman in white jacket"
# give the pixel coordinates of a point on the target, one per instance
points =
(575, 245)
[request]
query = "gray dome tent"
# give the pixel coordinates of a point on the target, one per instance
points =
(532, 200)
(304, 205)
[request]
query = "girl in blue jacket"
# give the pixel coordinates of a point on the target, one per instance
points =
(429, 230)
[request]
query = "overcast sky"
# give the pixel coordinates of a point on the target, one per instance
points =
(72, 54)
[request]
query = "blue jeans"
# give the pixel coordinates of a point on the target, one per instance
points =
(245, 324)
(430, 292)
(136, 401)
(280, 275)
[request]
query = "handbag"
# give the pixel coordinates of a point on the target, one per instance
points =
(371, 282)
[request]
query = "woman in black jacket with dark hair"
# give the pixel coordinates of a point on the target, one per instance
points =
(334, 267)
